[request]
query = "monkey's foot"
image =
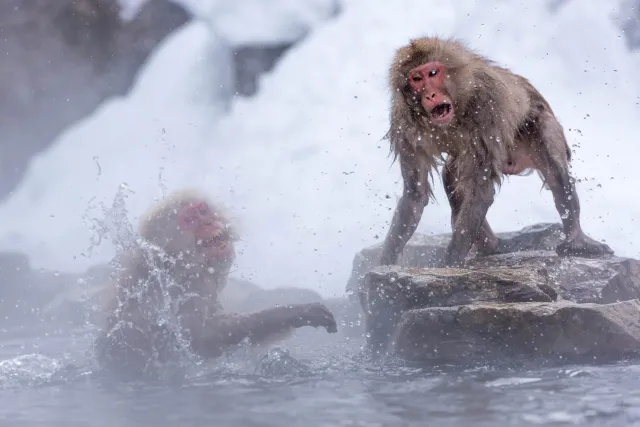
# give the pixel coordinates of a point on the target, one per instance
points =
(583, 245)
(501, 246)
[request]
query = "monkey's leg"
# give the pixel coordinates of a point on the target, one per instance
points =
(552, 161)
(415, 196)
(487, 243)
(476, 196)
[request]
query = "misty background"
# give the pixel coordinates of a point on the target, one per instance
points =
(278, 109)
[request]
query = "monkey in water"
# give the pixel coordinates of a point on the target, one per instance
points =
(490, 122)
(185, 256)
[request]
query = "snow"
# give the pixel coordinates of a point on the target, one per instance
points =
(302, 164)
(147, 137)
(253, 21)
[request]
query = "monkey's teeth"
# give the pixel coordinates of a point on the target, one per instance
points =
(215, 241)
(441, 110)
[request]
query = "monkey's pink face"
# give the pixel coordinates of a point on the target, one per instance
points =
(211, 233)
(427, 82)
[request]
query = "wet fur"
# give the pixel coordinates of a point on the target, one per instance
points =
(133, 340)
(493, 108)
(498, 117)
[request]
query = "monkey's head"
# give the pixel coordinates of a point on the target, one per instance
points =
(426, 73)
(188, 226)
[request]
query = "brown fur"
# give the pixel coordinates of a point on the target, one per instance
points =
(133, 339)
(501, 125)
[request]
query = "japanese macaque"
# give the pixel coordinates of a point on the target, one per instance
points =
(490, 122)
(185, 256)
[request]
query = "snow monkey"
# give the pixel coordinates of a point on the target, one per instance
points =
(490, 122)
(186, 255)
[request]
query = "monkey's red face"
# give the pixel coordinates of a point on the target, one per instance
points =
(211, 233)
(427, 82)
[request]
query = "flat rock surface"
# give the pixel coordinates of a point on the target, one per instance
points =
(388, 291)
(444, 300)
(486, 332)
(597, 280)
(437, 287)
(424, 251)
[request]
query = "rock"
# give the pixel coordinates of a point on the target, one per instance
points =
(392, 297)
(429, 251)
(584, 280)
(82, 299)
(236, 291)
(53, 48)
(265, 298)
(389, 291)
(628, 19)
(485, 333)
(23, 291)
(251, 61)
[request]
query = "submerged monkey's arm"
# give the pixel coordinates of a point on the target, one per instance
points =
(212, 333)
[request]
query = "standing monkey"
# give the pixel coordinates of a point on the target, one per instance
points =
(490, 123)
(189, 254)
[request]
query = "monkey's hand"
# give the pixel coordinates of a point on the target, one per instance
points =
(223, 329)
(314, 314)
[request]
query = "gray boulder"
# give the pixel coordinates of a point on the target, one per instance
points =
(61, 59)
(81, 300)
(25, 291)
(388, 292)
(585, 280)
(428, 251)
(424, 313)
(485, 333)
(259, 299)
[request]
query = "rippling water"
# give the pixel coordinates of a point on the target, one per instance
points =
(47, 379)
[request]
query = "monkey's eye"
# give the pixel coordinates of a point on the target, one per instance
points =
(189, 217)
(433, 72)
(416, 78)
(203, 208)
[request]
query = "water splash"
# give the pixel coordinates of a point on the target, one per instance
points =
(28, 370)
(153, 296)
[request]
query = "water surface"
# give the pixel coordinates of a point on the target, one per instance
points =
(47, 378)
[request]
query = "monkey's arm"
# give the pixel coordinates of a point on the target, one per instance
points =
(415, 168)
(212, 333)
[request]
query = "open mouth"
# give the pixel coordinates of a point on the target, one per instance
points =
(441, 112)
(213, 242)
(216, 246)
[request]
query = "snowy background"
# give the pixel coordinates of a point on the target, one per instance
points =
(302, 164)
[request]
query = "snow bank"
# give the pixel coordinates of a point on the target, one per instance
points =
(253, 21)
(145, 140)
(312, 177)
(303, 165)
